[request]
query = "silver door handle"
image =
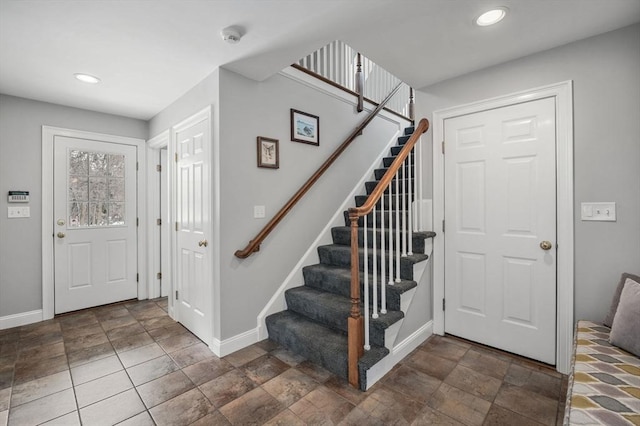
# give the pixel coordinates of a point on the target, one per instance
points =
(203, 243)
(546, 245)
(61, 235)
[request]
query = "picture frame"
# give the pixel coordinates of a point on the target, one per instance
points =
(268, 153)
(305, 127)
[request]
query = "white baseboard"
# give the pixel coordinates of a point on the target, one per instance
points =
(235, 343)
(22, 318)
(400, 351)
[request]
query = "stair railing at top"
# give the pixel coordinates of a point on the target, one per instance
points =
(254, 244)
(402, 220)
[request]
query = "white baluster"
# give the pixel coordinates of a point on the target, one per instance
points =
(397, 210)
(410, 209)
(383, 260)
(375, 264)
(391, 282)
(404, 206)
(366, 288)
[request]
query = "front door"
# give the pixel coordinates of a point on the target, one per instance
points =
(95, 249)
(192, 142)
(500, 236)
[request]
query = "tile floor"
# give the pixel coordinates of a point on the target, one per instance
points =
(130, 364)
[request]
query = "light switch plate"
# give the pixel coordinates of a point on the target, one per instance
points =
(601, 212)
(258, 212)
(14, 212)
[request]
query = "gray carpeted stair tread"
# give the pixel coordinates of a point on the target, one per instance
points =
(333, 311)
(370, 186)
(319, 344)
(337, 280)
(342, 235)
(340, 255)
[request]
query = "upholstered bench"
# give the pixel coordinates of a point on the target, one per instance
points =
(604, 386)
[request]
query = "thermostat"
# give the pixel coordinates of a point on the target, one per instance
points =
(18, 197)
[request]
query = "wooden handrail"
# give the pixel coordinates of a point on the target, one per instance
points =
(355, 333)
(365, 209)
(254, 244)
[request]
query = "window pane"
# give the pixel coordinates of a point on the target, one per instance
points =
(97, 189)
(98, 164)
(78, 163)
(77, 215)
(116, 165)
(78, 188)
(98, 214)
(116, 213)
(116, 189)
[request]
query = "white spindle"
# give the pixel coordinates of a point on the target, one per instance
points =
(419, 179)
(366, 288)
(375, 265)
(383, 275)
(390, 234)
(404, 206)
(397, 210)
(409, 202)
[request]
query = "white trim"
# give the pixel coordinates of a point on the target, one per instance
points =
(23, 318)
(400, 351)
(48, 135)
(235, 343)
(154, 146)
(563, 94)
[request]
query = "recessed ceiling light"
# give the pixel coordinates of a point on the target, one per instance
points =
(491, 17)
(87, 78)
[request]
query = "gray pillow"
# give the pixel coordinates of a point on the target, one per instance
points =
(625, 331)
(608, 321)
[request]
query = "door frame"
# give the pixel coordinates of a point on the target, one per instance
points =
(154, 145)
(48, 272)
(563, 94)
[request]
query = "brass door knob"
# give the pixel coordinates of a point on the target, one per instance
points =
(61, 234)
(203, 243)
(546, 245)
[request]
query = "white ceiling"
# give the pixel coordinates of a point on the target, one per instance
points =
(149, 52)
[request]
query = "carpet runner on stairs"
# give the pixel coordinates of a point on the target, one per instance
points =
(315, 323)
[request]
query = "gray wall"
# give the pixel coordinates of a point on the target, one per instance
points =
(606, 81)
(21, 122)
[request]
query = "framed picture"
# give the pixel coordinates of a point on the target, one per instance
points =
(305, 127)
(268, 153)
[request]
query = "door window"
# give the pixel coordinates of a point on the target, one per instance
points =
(96, 183)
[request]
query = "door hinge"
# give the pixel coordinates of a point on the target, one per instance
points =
(175, 156)
(137, 221)
(176, 226)
(159, 168)
(443, 226)
(443, 304)
(159, 275)
(443, 147)
(137, 166)
(137, 278)
(158, 222)
(176, 294)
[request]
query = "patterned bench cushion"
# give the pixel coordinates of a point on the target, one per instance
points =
(604, 387)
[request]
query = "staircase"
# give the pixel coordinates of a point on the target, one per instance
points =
(315, 323)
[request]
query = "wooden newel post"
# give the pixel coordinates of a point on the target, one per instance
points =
(355, 323)
(412, 105)
(359, 83)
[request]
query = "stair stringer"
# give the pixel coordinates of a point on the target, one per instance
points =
(399, 350)
(295, 278)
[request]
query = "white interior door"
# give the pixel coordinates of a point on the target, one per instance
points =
(500, 237)
(192, 142)
(95, 249)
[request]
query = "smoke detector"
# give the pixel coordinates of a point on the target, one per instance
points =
(231, 35)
